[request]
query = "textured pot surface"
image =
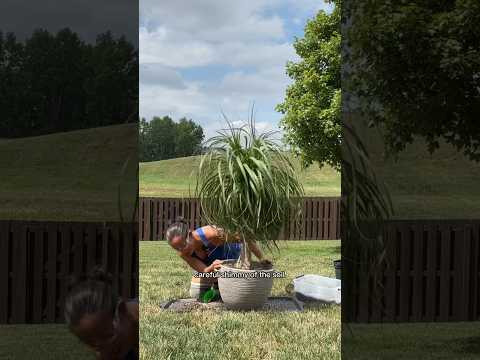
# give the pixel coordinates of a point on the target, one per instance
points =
(248, 291)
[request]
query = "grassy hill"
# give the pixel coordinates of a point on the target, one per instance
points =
(442, 185)
(173, 178)
(68, 176)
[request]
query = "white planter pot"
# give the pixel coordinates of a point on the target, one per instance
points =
(244, 289)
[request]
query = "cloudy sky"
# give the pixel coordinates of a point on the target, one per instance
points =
(199, 58)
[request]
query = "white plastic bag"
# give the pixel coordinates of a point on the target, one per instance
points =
(316, 287)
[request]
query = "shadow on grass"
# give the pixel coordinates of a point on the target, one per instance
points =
(314, 305)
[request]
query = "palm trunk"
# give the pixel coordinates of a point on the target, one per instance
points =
(245, 259)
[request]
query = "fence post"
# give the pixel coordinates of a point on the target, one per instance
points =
(19, 272)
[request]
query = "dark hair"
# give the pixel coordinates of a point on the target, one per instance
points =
(89, 295)
(178, 228)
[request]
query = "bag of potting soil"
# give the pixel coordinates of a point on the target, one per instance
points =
(312, 287)
(210, 295)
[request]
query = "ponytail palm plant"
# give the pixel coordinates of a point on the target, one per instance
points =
(248, 186)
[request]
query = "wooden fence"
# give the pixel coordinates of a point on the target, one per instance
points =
(38, 258)
(319, 220)
(433, 275)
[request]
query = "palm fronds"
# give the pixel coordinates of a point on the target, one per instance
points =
(247, 184)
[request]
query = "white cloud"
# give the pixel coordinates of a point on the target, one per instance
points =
(159, 74)
(157, 47)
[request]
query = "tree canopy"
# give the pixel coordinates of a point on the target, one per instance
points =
(57, 82)
(415, 70)
(312, 103)
(162, 138)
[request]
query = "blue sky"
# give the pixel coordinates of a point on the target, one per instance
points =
(199, 58)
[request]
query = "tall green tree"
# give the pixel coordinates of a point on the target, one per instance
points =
(189, 137)
(162, 138)
(313, 101)
(144, 146)
(415, 70)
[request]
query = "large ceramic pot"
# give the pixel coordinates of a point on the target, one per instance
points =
(244, 289)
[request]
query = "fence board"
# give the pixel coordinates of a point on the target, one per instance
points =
(65, 265)
(77, 249)
(51, 272)
(332, 219)
(115, 254)
(444, 273)
(418, 274)
(461, 274)
(147, 222)
(390, 274)
(128, 242)
(105, 245)
(405, 296)
(4, 271)
(154, 220)
(431, 298)
(315, 219)
(475, 278)
(19, 273)
(91, 244)
(38, 273)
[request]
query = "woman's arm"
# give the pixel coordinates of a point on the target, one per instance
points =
(198, 265)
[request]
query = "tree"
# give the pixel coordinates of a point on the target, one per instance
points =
(162, 138)
(415, 70)
(144, 146)
(313, 102)
(113, 86)
(189, 137)
(12, 83)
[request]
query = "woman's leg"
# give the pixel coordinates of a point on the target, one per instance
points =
(199, 285)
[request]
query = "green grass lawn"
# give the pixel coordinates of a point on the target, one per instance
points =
(72, 176)
(459, 341)
(176, 177)
(201, 335)
(42, 342)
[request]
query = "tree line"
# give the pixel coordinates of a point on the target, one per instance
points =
(162, 138)
(57, 82)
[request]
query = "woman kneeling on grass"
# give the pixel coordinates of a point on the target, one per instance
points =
(101, 319)
(204, 249)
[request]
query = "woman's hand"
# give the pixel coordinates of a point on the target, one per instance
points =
(214, 266)
(266, 262)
